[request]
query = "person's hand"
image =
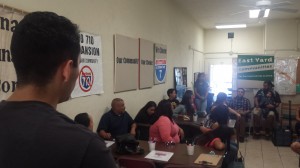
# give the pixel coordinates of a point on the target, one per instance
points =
(108, 136)
(270, 106)
(238, 115)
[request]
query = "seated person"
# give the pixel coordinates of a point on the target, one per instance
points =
(164, 129)
(116, 121)
(220, 137)
(242, 106)
(270, 109)
(185, 107)
(217, 136)
(85, 120)
(220, 111)
(172, 94)
(295, 146)
(146, 114)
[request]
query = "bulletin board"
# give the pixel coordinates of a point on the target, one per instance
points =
(126, 63)
(146, 55)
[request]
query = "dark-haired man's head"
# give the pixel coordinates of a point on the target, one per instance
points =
(268, 85)
(45, 47)
(240, 92)
(85, 120)
(118, 106)
(172, 93)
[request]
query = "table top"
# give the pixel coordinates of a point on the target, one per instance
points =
(179, 157)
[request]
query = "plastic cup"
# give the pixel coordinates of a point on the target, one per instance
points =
(190, 149)
(195, 118)
(151, 145)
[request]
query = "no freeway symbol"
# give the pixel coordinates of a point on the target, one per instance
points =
(86, 78)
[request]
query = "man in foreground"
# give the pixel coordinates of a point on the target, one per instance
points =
(45, 50)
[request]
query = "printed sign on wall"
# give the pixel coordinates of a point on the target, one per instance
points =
(90, 79)
(126, 63)
(8, 79)
(160, 70)
(252, 70)
(146, 64)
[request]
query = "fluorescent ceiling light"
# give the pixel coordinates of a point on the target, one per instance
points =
(254, 13)
(257, 13)
(231, 26)
(267, 11)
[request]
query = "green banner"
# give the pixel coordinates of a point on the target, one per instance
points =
(253, 69)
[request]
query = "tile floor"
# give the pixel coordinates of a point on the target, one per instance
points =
(261, 153)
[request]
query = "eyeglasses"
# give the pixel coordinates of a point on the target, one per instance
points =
(241, 91)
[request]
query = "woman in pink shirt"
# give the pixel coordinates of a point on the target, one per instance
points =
(164, 128)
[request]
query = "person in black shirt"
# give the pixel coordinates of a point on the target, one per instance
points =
(146, 114)
(116, 122)
(45, 51)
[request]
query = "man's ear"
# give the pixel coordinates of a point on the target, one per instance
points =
(67, 70)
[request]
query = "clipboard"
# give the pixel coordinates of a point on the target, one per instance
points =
(208, 159)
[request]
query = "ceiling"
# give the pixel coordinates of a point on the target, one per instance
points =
(209, 13)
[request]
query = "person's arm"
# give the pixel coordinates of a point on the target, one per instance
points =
(234, 112)
(104, 134)
(181, 133)
(177, 110)
(102, 128)
(133, 128)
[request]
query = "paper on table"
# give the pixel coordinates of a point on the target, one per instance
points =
(159, 155)
(109, 143)
(208, 159)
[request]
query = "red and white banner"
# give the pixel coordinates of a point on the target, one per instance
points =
(8, 79)
(90, 79)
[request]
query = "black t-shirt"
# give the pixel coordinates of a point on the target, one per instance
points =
(220, 114)
(143, 118)
(34, 135)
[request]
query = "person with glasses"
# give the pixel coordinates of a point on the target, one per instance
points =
(242, 106)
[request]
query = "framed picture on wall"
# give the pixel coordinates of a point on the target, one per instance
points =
(180, 80)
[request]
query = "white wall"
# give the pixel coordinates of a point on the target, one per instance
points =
(159, 21)
(278, 37)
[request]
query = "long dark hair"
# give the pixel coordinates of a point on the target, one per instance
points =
(223, 132)
(221, 98)
(164, 109)
(198, 77)
(147, 106)
(186, 102)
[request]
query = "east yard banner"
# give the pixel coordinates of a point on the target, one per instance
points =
(146, 64)
(8, 80)
(252, 70)
(90, 79)
(160, 70)
(126, 63)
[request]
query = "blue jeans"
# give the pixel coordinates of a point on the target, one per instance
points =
(201, 105)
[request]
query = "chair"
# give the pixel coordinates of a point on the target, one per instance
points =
(131, 162)
(284, 113)
(142, 131)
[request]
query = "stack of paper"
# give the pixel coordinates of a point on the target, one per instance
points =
(159, 155)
